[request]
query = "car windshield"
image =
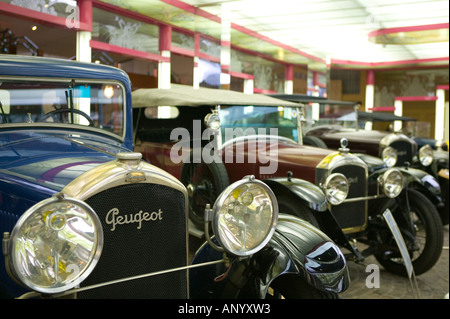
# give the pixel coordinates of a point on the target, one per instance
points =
(329, 114)
(99, 105)
(256, 120)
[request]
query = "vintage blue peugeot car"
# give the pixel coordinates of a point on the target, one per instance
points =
(83, 216)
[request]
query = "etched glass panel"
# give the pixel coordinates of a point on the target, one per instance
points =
(183, 40)
(54, 7)
(124, 32)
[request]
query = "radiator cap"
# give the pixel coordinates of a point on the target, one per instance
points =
(129, 157)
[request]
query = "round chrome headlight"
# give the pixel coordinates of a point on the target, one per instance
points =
(212, 120)
(392, 183)
(55, 244)
(244, 217)
(389, 156)
(336, 188)
(426, 155)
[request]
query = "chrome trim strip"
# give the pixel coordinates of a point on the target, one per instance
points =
(114, 173)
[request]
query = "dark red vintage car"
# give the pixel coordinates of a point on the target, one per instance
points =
(209, 138)
(328, 121)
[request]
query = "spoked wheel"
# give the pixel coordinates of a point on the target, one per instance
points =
(424, 239)
(204, 183)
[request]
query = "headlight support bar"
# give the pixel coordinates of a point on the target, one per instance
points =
(117, 281)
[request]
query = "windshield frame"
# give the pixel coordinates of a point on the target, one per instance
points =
(70, 126)
(297, 116)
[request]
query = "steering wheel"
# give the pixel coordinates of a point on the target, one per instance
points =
(76, 111)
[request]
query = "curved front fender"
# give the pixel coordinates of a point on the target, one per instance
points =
(423, 182)
(416, 178)
(313, 253)
(310, 194)
(296, 247)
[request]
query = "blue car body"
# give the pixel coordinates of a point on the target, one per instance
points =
(39, 160)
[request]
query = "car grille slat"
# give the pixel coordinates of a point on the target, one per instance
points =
(159, 244)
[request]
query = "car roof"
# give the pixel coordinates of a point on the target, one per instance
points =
(183, 95)
(382, 117)
(35, 66)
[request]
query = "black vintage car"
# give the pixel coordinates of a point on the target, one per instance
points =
(337, 119)
(82, 215)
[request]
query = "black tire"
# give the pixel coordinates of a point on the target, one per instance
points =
(429, 236)
(292, 206)
(204, 182)
(314, 141)
(444, 212)
(291, 286)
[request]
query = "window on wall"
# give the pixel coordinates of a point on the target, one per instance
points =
(210, 47)
(268, 75)
(209, 74)
(125, 32)
(181, 69)
(237, 84)
(351, 81)
(183, 40)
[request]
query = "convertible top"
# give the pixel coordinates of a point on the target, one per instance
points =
(365, 116)
(303, 98)
(183, 95)
(382, 117)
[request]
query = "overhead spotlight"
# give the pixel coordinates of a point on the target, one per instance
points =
(34, 28)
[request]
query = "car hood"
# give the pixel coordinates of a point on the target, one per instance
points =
(282, 149)
(275, 157)
(363, 136)
(309, 156)
(51, 159)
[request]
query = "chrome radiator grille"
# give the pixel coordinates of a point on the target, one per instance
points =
(134, 248)
(404, 152)
(352, 216)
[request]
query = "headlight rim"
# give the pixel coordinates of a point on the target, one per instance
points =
(385, 176)
(79, 278)
(326, 184)
(425, 162)
(210, 118)
(393, 151)
(219, 204)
